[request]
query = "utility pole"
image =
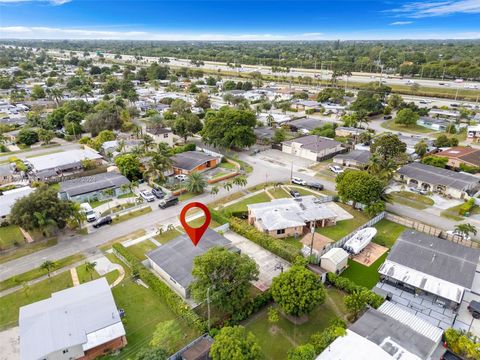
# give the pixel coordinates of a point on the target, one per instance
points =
(312, 230)
(208, 306)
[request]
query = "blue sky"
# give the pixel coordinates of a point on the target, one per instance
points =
(239, 20)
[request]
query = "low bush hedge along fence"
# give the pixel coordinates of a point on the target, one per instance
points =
(347, 285)
(174, 301)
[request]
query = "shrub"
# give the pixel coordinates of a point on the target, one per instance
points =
(466, 207)
(183, 148)
(461, 344)
(347, 285)
(174, 301)
(276, 246)
(252, 306)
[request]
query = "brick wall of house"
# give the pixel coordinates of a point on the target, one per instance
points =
(106, 348)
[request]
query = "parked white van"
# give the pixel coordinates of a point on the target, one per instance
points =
(88, 211)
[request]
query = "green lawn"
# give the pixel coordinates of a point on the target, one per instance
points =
(127, 195)
(10, 236)
(294, 241)
(276, 340)
(226, 165)
(220, 174)
(279, 193)
(167, 236)
(27, 249)
(452, 213)
(344, 227)
(364, 275)
(84, 276)
(411, 199)
(140, 249)
(415, 129)
(97, 203)
(387, 232)
(38, 272)
(118, 208)
(242, 205)
(143, 311)
(132, 215)
(186, 196)
(11, 303)
(201, 220)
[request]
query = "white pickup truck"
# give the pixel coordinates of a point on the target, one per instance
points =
(88, 211)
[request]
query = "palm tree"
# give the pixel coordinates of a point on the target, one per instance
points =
(48, 266)
(196, 183)
(228, 186)
(90, 268)
(214, 190)
(147, 142)
(270, 120)
(57, 95)
(240, 181)
(45, 223)
(157, 166)
(78, 214)
(170, 227)
(84, 90)
(466, 229)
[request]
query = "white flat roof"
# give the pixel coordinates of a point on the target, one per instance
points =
(52, 161)
(420, 280)
(8, 199)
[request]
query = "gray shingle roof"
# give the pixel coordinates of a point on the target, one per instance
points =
(313, 142)
(433, 256)
(307, 123)
(176, 256)
(437, 176)
(88, 184)
(189, 160)
(378, 327)
(360, 156)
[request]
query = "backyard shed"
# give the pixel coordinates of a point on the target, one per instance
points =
(335, 260)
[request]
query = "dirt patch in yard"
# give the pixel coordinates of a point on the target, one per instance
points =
(370, 254)
(320, 242)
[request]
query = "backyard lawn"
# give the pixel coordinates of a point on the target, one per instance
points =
(387, 232)
(140, 249)
(142, 317)
(276, 340)
(364, 275)
(411, 199)
(344, 227)
(11, 303)
(242, 205)
(10, 236)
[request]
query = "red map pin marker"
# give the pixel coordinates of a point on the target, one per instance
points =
(195, 234)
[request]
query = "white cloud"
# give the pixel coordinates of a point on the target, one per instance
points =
(437, 8)
(401, 23)
(40, 32)
(52, 2)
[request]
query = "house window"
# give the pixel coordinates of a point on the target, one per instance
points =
(65, 351)
(165, 135)
(281, 231)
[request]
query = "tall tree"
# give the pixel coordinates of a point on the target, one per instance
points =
(186, 125)
(223, 275)
(48, 266)
(90, 268)
(359, 187)
(235, 343)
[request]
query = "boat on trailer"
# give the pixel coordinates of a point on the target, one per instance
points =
(360, 240)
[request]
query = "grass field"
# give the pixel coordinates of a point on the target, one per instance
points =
(40, 291)
(132, 215)
(167, 236)
(414, 129)
(143, 311)
(10, 236)
(344, 227)
(242, 205)
(364, 275)
(38, 272)
(387, 232)
(84, 276)
(276, 340)
(186, 196)
(411, 199)
(140, 249)
(279, 193)
(226, 165)
(97, 203)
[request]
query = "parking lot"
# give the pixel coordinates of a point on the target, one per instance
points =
(269, 265)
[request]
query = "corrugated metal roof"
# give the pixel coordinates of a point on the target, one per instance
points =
(415, 323)
(337, 255)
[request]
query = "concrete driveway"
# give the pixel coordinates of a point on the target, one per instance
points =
(269, 265)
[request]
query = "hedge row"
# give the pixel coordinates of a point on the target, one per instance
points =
(217, 217)
(467, 207)
(183, 148)
(251, 307)
(174, 301)
(276, 246)
(350, 287)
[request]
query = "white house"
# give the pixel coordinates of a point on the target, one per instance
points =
(312, 147)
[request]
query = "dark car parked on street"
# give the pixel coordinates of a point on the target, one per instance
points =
(102, 221)
(168, 202)
(314, 185)
(295, 193)
(474, 308)
(159, 194)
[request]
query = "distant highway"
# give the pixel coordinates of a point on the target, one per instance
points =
(295, 72)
